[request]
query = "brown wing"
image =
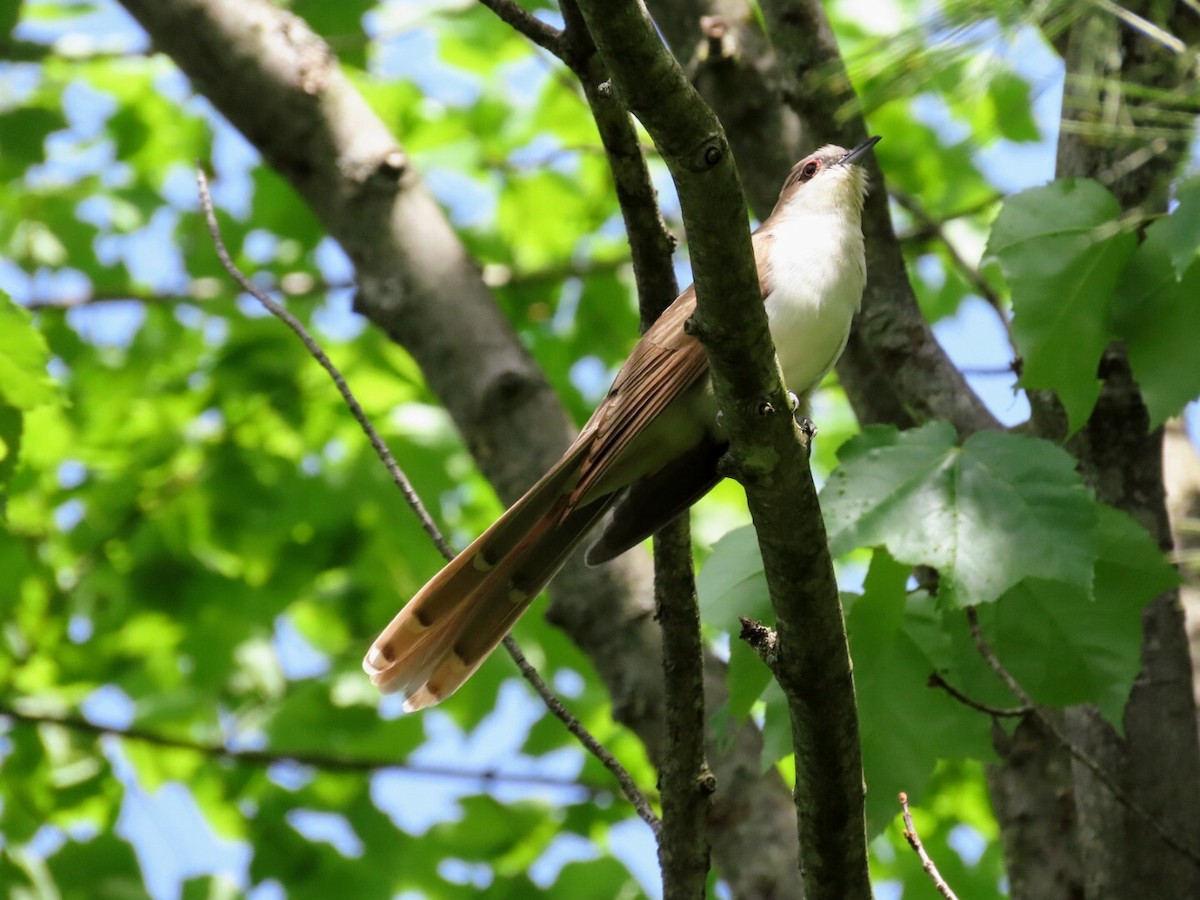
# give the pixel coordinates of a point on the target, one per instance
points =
(666, 362)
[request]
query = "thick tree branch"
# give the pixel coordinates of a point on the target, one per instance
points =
(766, 454)
(1157, 760)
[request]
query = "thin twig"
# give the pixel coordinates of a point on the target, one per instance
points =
(649, 239)
(930, 227)
(523, 21)
(628, 787)
(1118, 792)
(1001, 712)
(356, 410)
(302, 284)
(914, 841)
(1145, 27)
(555, 706)
(313, 759)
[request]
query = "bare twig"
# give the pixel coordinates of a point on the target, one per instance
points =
(524, 22)
(762, 640)
(1110, 784)
(914, 841)
(576, 727)
(930, 227)
(303, 284)
(628, 787)
(329, 762)
(1001, 712)
(314, 349)
(1144, 26)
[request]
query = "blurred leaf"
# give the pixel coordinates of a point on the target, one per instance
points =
(1011, 107)
(339, 23)
(599, 879)
(24, 383)
(11, 423)
(25, 130)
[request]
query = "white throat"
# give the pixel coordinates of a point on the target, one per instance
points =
(818, 271)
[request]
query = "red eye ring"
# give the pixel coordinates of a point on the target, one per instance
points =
(811, 169)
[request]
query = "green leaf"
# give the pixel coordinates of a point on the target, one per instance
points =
(1062, 251)
(1157, 312)
(595, 878)
(777, 726)
(1065, 648)
(997, 510)
(103, 868)
(24, 383)
(731, 583)
(1180, 231)
(747, 676)
(342, 23)
(11, 424)
(1010, 107)
(25, 130)
(905, 726)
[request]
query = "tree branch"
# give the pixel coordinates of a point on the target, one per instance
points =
(526, 23)
(933, 228)
(731, 321)
(330, 762)
(685, 781)
(1123, 72)
(914, 841)
(274, 80)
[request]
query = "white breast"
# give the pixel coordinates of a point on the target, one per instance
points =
(818, 270)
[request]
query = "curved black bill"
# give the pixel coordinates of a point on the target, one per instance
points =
(860, 151)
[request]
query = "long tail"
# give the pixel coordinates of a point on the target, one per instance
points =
(438, 640)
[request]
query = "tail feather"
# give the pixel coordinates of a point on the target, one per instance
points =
(494, 612)
(445, 632)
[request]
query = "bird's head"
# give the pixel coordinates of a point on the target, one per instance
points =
(831, 180)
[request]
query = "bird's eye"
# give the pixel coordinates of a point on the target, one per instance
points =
(810, 169)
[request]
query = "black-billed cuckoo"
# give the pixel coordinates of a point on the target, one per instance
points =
(650, 450)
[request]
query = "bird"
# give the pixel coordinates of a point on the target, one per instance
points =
(652, 446)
